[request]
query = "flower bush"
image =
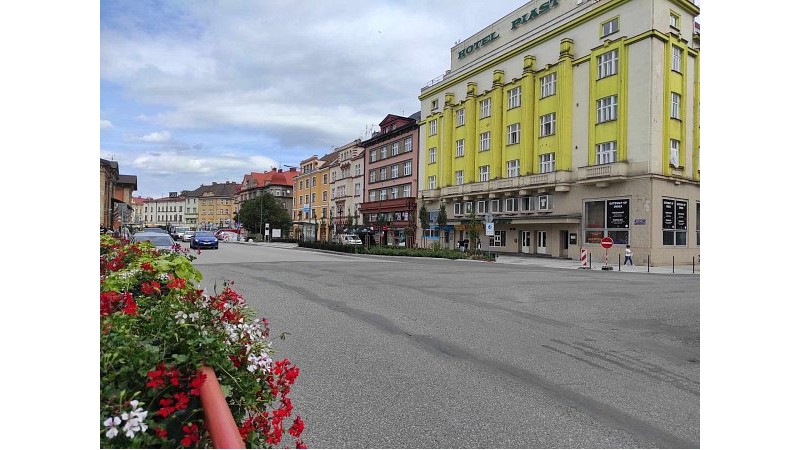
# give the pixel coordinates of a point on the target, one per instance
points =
(157, 329)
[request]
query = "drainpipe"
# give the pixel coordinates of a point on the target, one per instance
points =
(219, 421)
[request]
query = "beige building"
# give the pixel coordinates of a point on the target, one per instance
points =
(568, 122)
(215, 204)
(347, 186)
(311, 190)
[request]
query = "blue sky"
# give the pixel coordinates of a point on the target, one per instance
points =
(195, 92)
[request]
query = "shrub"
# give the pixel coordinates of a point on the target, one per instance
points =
(157, 329)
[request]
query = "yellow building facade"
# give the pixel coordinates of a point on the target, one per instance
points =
(569, 121)
(312, 194)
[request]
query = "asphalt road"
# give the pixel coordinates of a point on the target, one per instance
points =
(423, 353)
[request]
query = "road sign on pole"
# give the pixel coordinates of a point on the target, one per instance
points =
(607, 242)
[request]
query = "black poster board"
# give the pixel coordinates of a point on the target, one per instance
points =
(680, 215)
(617, 213)
(668, 214)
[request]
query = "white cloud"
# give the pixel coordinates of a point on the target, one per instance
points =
(106, 124)
(159, 136)
(177, 163)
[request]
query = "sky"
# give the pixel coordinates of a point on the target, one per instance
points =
(201, 91)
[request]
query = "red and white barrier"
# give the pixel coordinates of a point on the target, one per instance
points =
(584, 259)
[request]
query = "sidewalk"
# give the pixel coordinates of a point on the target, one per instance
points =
(572, 264)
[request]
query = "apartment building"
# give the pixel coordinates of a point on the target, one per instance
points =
(276, 182)
(391, 179)
(568, 121)
(347, 186)
(311, 208)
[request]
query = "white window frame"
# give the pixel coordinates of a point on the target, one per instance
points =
(677, 58)
(432, 182)
(373, 176)
(357, 189)
(496, 206)
(512, 204)
(674, 152)
(407, 168)
(512, 168)
(513, 135)
(547, 163)
(459, 177)
(483, 172)
(481, 207)
(548, 83)
(467, 207)
(610, 27)
(433, 127)
(457, 209)
(606, 152)
(459, 148)
(674, 105)
(485, 141)
(406, 190)
(515, 97)
(607, 64)
(407, 145)
(373, 155)
(499, 239)
(432, 155)
(486, 108)
(395, 170)
(460, 117)
(395, 148)
(674, 21)
(547, 124)
(607, 109)
(382, 195)
(394, 192)
(383, 173)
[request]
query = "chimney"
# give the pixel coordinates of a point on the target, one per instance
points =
(280, 170)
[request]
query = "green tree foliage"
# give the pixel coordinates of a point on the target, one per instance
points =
(254, 213)
(442, 219)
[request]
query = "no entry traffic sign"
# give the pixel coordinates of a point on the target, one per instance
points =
(607, 242)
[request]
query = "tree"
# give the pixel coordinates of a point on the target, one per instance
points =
(473, 230)
(424, 220)
(265, 208)
(442, 219)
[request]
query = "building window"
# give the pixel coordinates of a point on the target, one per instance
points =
(483, 171)
(432, 182)
(373, 155)
(457, 209)
(481, 206)
(514, 97)
(610, 27)
(459, 148)
(373, 196)
(607, 109)
(548, 85)
(324, 196)
(406, 190)
(372, 176)
(467, 207)
(674, 152)
(547, 124)
(407, 144)
(675, 105)
(607, 64)
(512, 168)
(308, 183)
(358, 169)
(674, 21)
(676, 58)
(432, 155)
(435, 104)
(395, 170)
(513, 134)
(313, 197)
(407, 168)
(485, 141)
(459, 177)
(499, 239)
(673, 221)
(496, 206)
(395, 191)
(547, 163)
(607, 218)
(383, 152)
(395, 148)
(313, 181)
(433, 127)
(486, 108)
(607, 152)
(512, 204)
(357, 192)
(460, 117)
(382, 195)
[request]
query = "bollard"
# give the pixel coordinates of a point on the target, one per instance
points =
(648, 263)
(673, 263)
(590, 261)
(222, 428)
(692, 264)
(619, 263)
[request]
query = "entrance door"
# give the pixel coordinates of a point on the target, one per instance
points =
(541, 242)
(525, 241)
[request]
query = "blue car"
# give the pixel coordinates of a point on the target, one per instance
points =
(204, 239)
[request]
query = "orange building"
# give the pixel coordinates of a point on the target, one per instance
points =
(312, 191)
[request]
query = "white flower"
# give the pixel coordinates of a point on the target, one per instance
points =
(111, 423)
(135, 420)
(194, 316)
(181, 317)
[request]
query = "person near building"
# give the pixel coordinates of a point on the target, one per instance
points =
(628, 255)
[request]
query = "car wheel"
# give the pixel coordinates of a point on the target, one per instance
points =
(216, 248)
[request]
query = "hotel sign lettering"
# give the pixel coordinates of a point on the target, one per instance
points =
(478, 44)
(534, 13)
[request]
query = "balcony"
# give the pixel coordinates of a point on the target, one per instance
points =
(603, 172)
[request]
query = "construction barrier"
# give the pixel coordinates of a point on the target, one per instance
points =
(584, 260)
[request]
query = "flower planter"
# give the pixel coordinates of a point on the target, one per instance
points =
(219, 421)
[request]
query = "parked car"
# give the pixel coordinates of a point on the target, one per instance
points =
(154, 230)
(227, 233)
(348, 239)
(177, 232)
(187, 236)
(161, 241)
(204, 239)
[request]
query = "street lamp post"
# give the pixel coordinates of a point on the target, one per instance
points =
(314, 216)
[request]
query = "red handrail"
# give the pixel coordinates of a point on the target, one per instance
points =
(219, 421)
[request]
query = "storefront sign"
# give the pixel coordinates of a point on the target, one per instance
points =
(478, 44)
(680, 215)
(668, 214)
(543, 8)
(617, 213)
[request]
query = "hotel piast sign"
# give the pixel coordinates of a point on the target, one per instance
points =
(534, 13)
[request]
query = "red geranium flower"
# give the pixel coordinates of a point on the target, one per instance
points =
(297, 427)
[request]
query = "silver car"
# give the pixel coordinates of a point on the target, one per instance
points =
(161, 241)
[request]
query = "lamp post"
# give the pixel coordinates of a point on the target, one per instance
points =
(324, 229)
(314, 216)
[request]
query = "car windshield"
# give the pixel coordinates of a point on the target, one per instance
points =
(159, 241)
(204, 234)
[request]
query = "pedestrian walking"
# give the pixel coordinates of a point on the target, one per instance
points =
(628, 255)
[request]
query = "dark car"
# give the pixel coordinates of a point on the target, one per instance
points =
(154, 230)
(204, 239)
